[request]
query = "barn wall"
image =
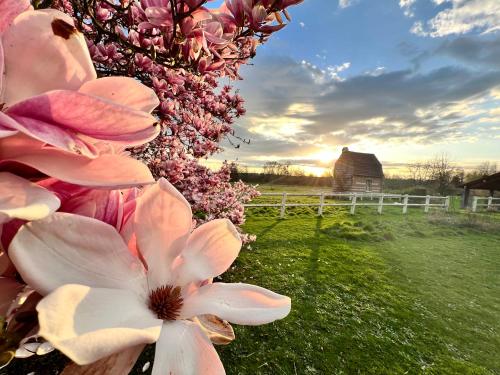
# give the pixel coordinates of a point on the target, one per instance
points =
(342, 177)
(357, 184)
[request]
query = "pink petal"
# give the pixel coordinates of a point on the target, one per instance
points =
(48, 38)
(88, 324)
(9, 9)
(22, 199)
(7, 125)
(209, 252)
(60, 118)
(183, 348)
(105, 171)
(9, 289)
(123, 90)
(162, 222)
(2, 73)
(237, 303)
(66, 248)
(159, 16)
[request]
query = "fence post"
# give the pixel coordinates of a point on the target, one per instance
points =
(405, 203)
(474, 204)
(353, 203)
(490, 201)
(447, 203)
(283, 206)
(321, 203)
(427, 202)
(380, 204)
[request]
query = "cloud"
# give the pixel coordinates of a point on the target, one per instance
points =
(473, 50)
(376, 72)
(302, 24)
(407, 6)
(290, 110)
(346, 3)
(460, 17)
(331, 72)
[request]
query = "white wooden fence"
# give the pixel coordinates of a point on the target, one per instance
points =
(356, 199)
(490, 203)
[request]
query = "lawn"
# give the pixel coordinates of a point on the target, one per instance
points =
(371, 294)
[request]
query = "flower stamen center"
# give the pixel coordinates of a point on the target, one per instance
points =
(166, 302)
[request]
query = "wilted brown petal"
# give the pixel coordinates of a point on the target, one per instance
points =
(117, 364)
(219, 331)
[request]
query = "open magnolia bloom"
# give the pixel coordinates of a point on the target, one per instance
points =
(56, 117)
(102, 299)
(58, 99)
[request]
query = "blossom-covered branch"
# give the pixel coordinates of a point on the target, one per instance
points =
(182, 49)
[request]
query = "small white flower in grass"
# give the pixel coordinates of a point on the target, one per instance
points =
(102, 300)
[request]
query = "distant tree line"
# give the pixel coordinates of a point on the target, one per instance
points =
(444, 175)
(438, 175)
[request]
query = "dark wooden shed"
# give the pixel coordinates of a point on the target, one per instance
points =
(357, 172)
(490, 183)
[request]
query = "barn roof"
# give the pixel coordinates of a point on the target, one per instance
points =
(491, 182)
(361, 164)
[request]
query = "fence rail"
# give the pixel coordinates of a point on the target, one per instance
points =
(356, 200)
(489, 203)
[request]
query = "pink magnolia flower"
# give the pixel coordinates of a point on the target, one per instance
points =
(55, 116)
(58, 99)
(114, 207)
(87, 271)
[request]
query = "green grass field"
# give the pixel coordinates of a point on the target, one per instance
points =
(371, 294)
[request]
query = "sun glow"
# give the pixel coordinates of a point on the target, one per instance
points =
(325, 156)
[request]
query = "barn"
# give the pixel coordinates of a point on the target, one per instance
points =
(357, 172)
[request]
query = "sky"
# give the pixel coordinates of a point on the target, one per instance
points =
(407, 80)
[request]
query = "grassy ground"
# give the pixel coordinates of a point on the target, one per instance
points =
(392, 294)
(371, 294)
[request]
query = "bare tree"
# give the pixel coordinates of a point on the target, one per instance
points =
(442, 173)
(484, 169)
(277, 168)
(420, 171)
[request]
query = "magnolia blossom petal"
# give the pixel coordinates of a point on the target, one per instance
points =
(66, 248)
(88, 324)
(7, 125)
(237, 303)
(105, 171)
(49, 38)
(22, 199)
(209, 251)
(183, 348)
(9, 9)
(123, 90)
(62, 117)
(2, 73)
(162, 223)
(9, 289)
